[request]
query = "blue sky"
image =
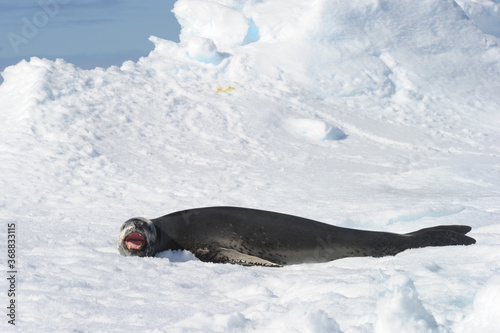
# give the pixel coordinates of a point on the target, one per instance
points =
(88, 33)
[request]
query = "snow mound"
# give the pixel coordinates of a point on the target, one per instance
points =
(203, 50)
(400, 310)
(320, 322)
(218, 21)
(484, 316)
(315, 129)
(484, 13)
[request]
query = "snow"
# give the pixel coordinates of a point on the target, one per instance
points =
(381, 115)
(485, 13)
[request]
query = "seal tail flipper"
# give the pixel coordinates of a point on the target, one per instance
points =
(461, 229)
(440, 236)
(229, 256)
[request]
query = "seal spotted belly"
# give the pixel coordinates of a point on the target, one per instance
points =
(256, 237)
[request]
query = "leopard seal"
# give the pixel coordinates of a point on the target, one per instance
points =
(256, 237)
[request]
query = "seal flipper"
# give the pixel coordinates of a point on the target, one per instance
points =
(461, 229)
(223, 255)
(439, 236)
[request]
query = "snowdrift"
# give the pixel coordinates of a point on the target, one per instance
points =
(380, 115)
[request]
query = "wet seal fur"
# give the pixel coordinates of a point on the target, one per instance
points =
(255, 237)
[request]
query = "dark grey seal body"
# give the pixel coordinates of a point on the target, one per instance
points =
(255, 237)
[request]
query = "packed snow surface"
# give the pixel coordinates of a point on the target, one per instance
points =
(379, 115)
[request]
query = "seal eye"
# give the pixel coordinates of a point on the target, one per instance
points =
(135, 241)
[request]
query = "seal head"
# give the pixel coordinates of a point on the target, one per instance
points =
(138, 237)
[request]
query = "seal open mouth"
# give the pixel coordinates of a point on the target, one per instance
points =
(135, 241)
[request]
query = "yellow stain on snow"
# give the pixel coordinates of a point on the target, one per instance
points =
(225, 90)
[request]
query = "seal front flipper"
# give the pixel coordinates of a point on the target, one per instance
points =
(228, 256)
